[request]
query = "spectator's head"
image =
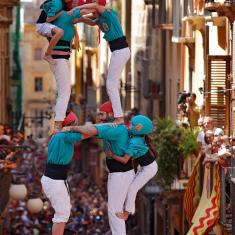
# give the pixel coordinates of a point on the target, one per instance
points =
(208, 123)
(218, 141)
(191, 99)
(4, 151)
(209, 136)
(8, 130)
(232, 140)
(106, 112)
(20, 135)
(218, 132)
(101, 2)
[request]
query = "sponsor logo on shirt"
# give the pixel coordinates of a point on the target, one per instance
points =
(139, 127)
(105, 27)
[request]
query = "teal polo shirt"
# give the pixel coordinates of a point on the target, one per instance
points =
(52, 7)
(136, 147)
(65, 22)
(61, 147)
(110, 25)
(117, 137)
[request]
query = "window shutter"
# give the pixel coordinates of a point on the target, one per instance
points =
(216, 96)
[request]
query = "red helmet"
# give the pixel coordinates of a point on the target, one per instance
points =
(101, 2)
(69, 119)
(82, 2)
(69, 4)
(106, 107)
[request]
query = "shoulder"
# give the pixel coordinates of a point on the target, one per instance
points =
(108, 13)
(59, 135)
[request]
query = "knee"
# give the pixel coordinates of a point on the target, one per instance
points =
(62, 215)
(59, 32)
(109, 87)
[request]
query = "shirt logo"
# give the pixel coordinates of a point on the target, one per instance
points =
(139, 127)
(105, 27)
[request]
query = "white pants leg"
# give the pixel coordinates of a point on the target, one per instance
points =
(61, 73)
(117, 63)
(118, 184)
(57, 192)
(143, 175)
(45, 29)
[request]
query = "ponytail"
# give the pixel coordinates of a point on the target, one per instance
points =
(152, 149)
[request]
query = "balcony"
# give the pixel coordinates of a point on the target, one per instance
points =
(222, 7)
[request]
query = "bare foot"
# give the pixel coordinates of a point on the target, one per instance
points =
(122, 215)
(119, 120)
(49, 59)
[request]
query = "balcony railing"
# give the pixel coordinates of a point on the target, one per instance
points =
(223, 7)
(220, 1)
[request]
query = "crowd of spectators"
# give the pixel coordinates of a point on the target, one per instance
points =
(26, 159)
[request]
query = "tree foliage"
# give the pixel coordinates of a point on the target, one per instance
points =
(172, 144)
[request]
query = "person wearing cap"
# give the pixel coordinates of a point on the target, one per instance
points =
(142, 151)
(120, 175)
(54, 180)
(109, 24)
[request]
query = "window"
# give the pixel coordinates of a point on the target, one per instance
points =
(217, 96)
(38, 53)
(38, 84)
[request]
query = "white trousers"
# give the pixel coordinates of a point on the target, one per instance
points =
(45, 29)
(143, 175)
(61, 74)
(117, 63)
(118, 184)
(57, 192)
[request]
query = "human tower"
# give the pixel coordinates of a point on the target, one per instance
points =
(122, 145)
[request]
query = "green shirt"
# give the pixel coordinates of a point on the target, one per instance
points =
(110, 25)
(136, 147)
(117, 137)
(52, 7)
(65, 22)
(61, 147)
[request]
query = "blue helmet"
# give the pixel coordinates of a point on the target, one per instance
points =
(141, 125)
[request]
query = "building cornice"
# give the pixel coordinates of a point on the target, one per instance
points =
(8, 3)
(6, 11)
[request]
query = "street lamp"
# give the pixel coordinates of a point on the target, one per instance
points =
(34, 205)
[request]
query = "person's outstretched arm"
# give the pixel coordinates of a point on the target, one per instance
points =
(123, 159)
(86, 130)
(77, 15)
(52, 18)
(85, 20)
(85, 6)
